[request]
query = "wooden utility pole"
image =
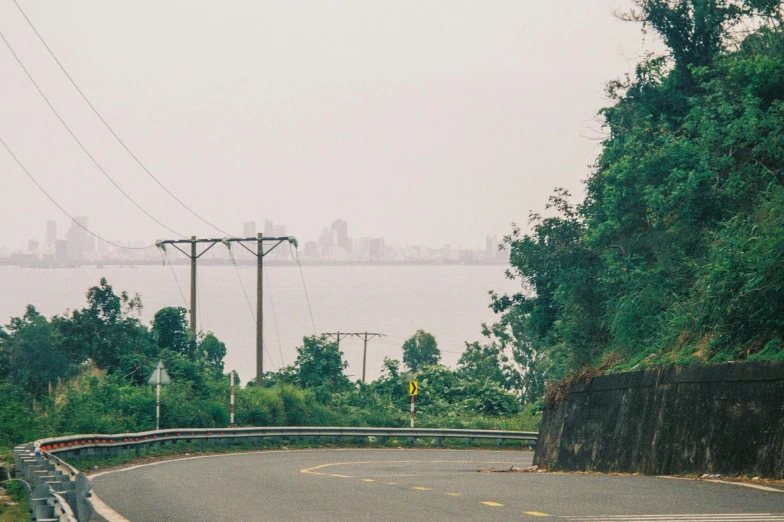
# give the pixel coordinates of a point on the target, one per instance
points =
(259, 308)
(193, 285)
(259, 253)
(361, 335)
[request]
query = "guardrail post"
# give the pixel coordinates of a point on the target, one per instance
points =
(411, 441)
(468, 441)
(499, 442)
(439, 441)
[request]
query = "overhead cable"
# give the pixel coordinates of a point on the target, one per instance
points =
(295, 255)
(250, 307)
(274, 316)
(109, 128)
(61, 208)
(177, 282)
(81, 145)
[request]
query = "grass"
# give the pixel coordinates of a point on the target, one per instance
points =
(13, 503)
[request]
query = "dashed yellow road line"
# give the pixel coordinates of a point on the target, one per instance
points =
(340, 476)
(368, 480)
(314, 469)
(420, 488)
(536, 513)
(453, 494)
(392, 483)
(493, 504)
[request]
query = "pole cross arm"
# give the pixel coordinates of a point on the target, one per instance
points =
(259, 254)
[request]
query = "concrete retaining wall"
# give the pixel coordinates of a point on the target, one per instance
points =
(726, 419)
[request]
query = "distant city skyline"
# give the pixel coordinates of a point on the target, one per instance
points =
(334, 244)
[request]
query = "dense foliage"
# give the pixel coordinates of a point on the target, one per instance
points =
(675, 255)
(87, 370)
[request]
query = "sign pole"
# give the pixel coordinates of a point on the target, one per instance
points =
(231, 408)
(413, 391)
(158, 401)
(160, 377)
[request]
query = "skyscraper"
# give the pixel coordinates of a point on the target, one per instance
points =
(249, 229)
(340, 230)
(51, 233)
(79, 241)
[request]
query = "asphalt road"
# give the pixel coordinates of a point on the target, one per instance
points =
(409, 485)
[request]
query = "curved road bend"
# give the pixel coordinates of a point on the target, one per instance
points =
(409, 485)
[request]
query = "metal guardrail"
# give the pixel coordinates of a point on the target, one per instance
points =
(54, 486)
(67, 493)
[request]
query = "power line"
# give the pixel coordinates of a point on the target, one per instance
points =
(109, 128)
(81, 145)
(61, 208)
(166, 255)
(274, 316)
(295, 255)
(252, 314)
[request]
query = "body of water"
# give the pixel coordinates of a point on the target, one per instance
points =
(450, 302)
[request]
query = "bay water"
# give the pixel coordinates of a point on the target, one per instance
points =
(451, 302)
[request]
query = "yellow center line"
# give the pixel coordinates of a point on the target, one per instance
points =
(420, 488)
(454, 494)
(315, 469)
(493, 504)
(536, 513)
(392, 483)
(341, 476)
(368, 480)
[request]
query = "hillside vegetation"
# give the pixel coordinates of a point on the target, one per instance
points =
(676, 254)
(86, 372)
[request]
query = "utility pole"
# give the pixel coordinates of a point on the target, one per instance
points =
(193, 285)
(361, 335)
(259, 253)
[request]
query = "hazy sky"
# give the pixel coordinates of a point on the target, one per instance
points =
(427, 122)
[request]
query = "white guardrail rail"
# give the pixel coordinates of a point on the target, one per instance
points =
(59, 492)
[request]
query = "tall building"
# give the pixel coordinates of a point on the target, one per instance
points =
(249, 229)
(282, 252)
(80, 242)
(51, 233)
(340, 234)
(325, 243)
(269, 228)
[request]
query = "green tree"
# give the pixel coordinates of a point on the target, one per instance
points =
(320, 364)
(213, 351)
(33, 359)
(420, 350)
(170, 331)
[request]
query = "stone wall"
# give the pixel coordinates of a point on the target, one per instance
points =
(725, 418)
